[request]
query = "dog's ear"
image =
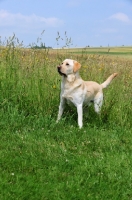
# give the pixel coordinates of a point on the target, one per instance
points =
(77, 66)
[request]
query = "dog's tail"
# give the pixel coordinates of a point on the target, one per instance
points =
(108, 81)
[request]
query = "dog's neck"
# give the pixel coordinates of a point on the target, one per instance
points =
(71, 78)
(74, 80)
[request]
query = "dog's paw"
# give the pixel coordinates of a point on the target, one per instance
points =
(115, 74)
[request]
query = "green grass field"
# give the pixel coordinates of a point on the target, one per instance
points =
(42, 160)
(116, 50)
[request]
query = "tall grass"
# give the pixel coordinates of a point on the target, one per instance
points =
(44, 160)
(30, 83)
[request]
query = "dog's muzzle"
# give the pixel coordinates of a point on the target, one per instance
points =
(59, 71)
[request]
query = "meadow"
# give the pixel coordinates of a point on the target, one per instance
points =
(42, 160)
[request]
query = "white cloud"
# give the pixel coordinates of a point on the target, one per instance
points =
(19, 20)
(121, 17)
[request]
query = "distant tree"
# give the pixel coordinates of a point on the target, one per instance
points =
(42, 46)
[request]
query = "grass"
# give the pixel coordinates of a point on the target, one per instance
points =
(65, 164)
(42, 160)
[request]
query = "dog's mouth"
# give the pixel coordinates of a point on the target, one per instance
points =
(59, 71)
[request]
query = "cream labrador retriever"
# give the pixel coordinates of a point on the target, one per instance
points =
(78, 91)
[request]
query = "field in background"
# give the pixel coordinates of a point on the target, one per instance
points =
(123, 52)
(42, 160)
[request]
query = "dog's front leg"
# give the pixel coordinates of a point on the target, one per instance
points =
(80, 115)
(61, 108)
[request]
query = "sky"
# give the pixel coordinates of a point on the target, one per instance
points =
(77, 23)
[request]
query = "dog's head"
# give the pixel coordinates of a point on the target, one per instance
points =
(68, 67)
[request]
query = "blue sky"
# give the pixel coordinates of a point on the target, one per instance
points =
(86, 22)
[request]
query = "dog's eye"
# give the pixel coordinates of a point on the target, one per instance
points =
(67, 63)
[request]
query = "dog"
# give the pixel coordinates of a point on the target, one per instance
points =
(74, 89)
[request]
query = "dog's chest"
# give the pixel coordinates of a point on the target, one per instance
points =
(73, 94)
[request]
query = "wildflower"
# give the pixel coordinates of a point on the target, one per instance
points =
(54, 86)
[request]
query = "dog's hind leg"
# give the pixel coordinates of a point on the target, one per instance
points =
(98, 103)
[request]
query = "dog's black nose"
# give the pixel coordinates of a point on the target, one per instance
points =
(58, 67)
